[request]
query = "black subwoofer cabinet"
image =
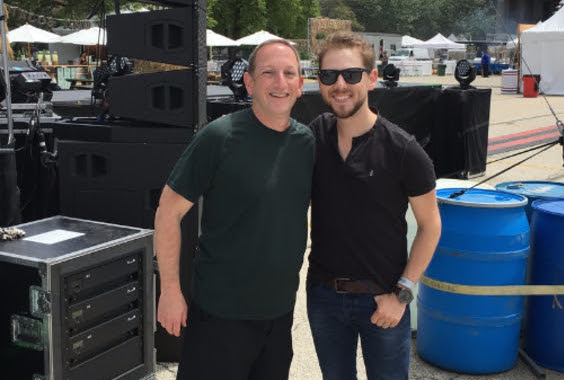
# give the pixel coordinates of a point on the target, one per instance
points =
(117, 177)
(77, 302)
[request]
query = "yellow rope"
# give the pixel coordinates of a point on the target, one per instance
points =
(486, 290)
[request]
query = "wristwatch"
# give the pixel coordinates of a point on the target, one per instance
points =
(404, 294)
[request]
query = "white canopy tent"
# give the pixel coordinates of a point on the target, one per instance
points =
(408, 41)
(258, 38)
(216, 39)
(92, 36)
(439, 42)
(28, 33)
(31, 34)
(455, 38)
(542, 52)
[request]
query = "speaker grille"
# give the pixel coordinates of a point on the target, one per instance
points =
(168, 97)
(176, 36)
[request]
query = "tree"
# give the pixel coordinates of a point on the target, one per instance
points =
(338, 9)
(286, 18)
(309, 9)
(236, 19)
(478, 24)
(420, 18)
(283, 15)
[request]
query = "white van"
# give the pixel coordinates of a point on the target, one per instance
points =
(409, 54)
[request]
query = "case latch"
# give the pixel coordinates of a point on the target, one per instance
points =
(39, 302)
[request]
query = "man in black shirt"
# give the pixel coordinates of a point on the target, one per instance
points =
(366, 173)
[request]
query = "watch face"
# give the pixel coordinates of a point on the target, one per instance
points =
(405, 295)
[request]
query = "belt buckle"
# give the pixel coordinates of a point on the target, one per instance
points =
(336, 283)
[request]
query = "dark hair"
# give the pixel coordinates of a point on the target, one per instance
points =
(253, 56)
(349, 40)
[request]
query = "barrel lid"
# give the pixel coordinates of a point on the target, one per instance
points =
(537, 189)
(481, 198)
(552, 206)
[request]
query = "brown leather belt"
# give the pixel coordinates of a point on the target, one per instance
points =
(349, 286)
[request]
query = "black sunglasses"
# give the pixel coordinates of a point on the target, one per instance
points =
(351, 76)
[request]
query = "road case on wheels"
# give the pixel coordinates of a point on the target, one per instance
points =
(77, 301)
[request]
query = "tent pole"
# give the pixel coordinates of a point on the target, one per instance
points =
(6, 75)
(9, 192)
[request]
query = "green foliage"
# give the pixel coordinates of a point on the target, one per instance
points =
(304, 55)
(283, 15)
(289, 18)
(309, 9)
(236, 19)
(477, 23)
(286, 18)
(420, 18)
(341, 10)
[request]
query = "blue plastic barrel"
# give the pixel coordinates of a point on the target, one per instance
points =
(412, 229)
(544, 328)
(484, 241)
(533, 190)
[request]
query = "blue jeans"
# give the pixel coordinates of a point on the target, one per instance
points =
(337, 321)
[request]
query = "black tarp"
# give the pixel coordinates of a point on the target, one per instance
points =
(459, 144)
(451, 124)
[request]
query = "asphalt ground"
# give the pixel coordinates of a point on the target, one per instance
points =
(509, 115)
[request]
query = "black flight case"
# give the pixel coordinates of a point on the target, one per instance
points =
(77, 302)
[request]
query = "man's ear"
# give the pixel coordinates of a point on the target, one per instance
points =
(373, 78)
(249, 82)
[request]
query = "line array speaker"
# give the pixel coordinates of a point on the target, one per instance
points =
(176, 36)
(170, 97)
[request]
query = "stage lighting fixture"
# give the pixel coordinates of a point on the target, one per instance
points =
(27, 82)
(391, 75)
(116, 66)
(232, 74)
(465, 73)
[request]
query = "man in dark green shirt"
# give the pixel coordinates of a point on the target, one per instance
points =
(253, 169)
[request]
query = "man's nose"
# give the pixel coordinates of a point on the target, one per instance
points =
(340, 82)
(279, 76)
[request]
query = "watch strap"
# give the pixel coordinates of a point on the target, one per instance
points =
(406, 282)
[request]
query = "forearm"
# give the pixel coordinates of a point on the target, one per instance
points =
(422, 250)
(167, 244)
(168, 237)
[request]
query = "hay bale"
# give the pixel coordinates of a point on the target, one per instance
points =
(10, 50)
(321, 28)
(142, 66)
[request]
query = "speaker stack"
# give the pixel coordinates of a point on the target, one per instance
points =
(175, 36)
(114, 172)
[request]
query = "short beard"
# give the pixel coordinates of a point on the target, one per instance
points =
(346, 114)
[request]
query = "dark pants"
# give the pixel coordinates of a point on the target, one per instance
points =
(226, 349)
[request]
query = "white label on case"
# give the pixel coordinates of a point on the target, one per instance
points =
(53, 237)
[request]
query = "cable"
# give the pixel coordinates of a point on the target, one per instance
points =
(521, 152)
(459, 193)
(558, 121)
